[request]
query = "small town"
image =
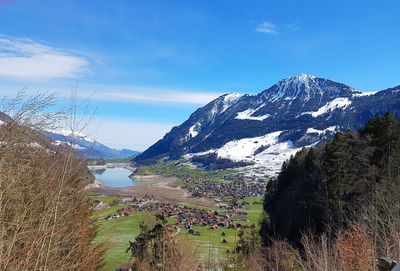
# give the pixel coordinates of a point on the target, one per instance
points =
(232, 191)
(186, 216)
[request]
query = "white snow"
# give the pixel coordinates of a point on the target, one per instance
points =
(1, 122)
(194, 130)
(243, 150)
(222, 105)
(71, 133)
(230, 99)
(272, 157)
(364, 94)
(77, 147)
(295, 83)
(329, 129)
(74, 146)
(214, 113)
(247, 115)
(237, 150)
(341, 103)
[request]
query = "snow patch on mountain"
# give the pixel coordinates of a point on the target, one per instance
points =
(295, 85)
(1, 122)
(364, 94)
(338, 103)
(274, 156)
(319, 132)
(69, 133)
(194, 130)
(230, 100)
(273, 153)
(237, 150)
(247, 115)
(74, 146)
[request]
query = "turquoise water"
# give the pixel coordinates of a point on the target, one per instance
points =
(115, 177)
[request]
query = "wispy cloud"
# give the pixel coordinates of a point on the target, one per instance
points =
(109, 93)
(153, 95)
(267, 28)
(25, 59)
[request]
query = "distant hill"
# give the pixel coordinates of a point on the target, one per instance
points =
(82, 145)
(267, 128)
(88, 148)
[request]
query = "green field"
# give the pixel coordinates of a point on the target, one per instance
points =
(106, 200)
(171, 168)
(209, 243)
(117, 233)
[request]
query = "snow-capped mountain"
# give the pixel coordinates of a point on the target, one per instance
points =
(268, 127)
(82, 145)
(86, 147)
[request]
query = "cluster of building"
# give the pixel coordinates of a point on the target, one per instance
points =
(187, 217)
(234, 190)
(213, 219)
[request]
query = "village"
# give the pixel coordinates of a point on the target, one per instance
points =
(229, 192)
(233, 202)
(186, 216)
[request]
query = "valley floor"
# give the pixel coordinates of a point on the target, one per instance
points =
(181, 193)
(158, 187)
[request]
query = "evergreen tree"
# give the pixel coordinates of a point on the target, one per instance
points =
(336, 182)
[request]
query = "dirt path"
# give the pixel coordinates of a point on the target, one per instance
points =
(157, 187)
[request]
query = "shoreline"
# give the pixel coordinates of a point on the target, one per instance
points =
(159, 187)
(97, 184)
(111, 165)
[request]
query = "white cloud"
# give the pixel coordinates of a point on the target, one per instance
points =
(267, 28)
(24, 59)
(108, 93)
(152, 95)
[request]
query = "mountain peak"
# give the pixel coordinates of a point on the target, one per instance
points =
(298, 79)
(306, 86)
(302, 77)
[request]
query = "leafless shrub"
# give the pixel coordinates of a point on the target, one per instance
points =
(44, 219)
(320, 253)
(281, 256)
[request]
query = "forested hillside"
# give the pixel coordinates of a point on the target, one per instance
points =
(353, 179)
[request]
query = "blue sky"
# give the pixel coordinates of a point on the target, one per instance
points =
(148, 64)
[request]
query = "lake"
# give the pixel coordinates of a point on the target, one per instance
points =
(115, 177)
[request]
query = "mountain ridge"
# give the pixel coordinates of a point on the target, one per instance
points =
(87, 147)
(84, 146)
(305, 110)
